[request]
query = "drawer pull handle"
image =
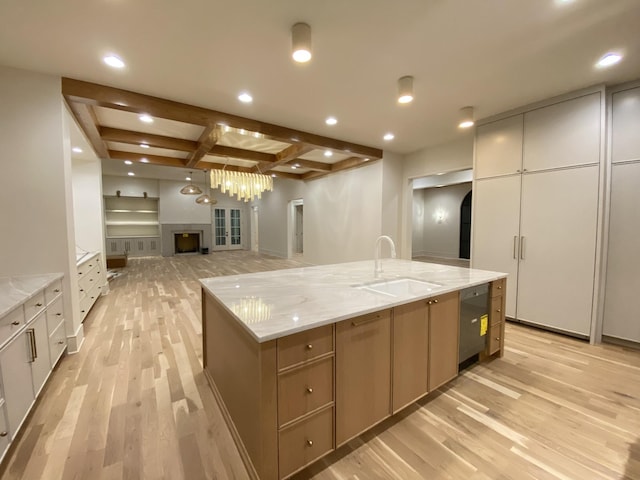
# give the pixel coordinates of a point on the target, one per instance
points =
(58, 314)
(57, 290)
(309, 390)
(367, 320)
(310, 443)
(3, 434)
(38, 304)
(309, 346)
(61, 342)
(15, 322)
(82, 289)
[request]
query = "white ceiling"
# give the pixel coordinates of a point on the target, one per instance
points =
(492, 54)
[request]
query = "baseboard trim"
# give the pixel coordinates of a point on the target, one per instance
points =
(75, 341)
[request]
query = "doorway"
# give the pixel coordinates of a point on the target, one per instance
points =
(465, 227)
(227, 230)
(295, 228)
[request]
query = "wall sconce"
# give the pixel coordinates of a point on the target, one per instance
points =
(440, 215)
(405, 89)
(301, 42)
(466, 117)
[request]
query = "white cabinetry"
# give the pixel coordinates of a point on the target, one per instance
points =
(132, 226)
(623, 262)
(91, 281)
(536, 210)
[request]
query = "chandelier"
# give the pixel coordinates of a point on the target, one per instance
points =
(243, 185)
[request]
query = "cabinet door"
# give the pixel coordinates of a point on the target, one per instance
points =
(152, 246)
(363, 374)
(558, 239)
(499, 148)
(114, 246)
(623, 264)
(496, 229)
(625, 118)
(41, 365)
(563, 134)
(16, 376)
(410, 353)
(444, 327)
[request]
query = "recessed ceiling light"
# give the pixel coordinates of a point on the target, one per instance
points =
(328, 153)
(146, 118)
(131, 174)
(76, 150)
(273, 175)
(366, 159)
(608, 60)
(245, 97)
(113, 61)
(389, 136)
(293, 167)
(128, 162)
(144, 160)
(144, 145)
(188, 179)
(331, 120)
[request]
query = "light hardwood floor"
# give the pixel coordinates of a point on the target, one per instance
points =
(135, 404)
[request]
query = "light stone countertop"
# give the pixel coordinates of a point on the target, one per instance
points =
(278, 303)
(18, 289)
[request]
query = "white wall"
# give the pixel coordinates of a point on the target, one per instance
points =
(130, 186)
(417, 238)
(35, 186)
(174, 207)
(392, 183)
(441, 220)
(87, 205)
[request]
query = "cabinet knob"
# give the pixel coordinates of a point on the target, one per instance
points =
(498, 310)
(15, 322)
(309, 346)
(82, 289)
(498, 339)
(38, 304)
(499, 287)
(435, 301)
(58, 314)
(57, 290)
(309, 390)
(61, 342)
(429, 302)
(310, 443)
(3, 434)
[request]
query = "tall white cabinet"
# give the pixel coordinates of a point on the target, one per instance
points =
(621, 319)
(535, 213)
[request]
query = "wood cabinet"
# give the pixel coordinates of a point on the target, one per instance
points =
(363, 374)
(91, 281)
(543, 217)
(444, 325)
(16, 378)
(132, 226)
(495, 340)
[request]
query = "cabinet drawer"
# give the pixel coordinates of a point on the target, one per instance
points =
(11, 323)
(498, 287)
(33, 306)
(496, 315)
(52, 291)
(496, 332)
(55, 314)
(4, 430)
(57, 343)
(302, 443)
(303, 346)
(305, 389)
(85, 305)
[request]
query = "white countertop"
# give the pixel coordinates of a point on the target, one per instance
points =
(281, 302)
(16, 290)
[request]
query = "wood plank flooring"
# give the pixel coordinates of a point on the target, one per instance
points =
(135, 404)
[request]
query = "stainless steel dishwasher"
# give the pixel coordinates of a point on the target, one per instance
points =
(474, 318)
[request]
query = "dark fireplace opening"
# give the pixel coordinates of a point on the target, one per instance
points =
(187, 242)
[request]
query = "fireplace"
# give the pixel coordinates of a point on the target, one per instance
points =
(186, 242)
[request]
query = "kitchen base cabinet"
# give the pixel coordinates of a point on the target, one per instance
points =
(40, 361)
(16, 379)
(444, 325)
(4, 429)
(91, 281)
(363, 374)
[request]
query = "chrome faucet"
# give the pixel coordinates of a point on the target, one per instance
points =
(377, 270)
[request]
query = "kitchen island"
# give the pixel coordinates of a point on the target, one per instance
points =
(303, 360)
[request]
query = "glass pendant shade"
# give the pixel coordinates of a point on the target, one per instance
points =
(205, 199)
(190, 189)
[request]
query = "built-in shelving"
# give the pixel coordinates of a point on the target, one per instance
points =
(132, 226)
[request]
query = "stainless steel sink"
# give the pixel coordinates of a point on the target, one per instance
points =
(400, 287)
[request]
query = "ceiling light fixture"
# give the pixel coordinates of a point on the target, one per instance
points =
(146, 118)
(131, 174)
(608, 60)
(144, 160)
(128, 162)
(328, 153)
(113, 61)
(76, 150)
(144, 145)
(466, 118)
(331, 120)
(205, 199)
(405, 89)
(301, 42)
(243, 185)
(389, 136)
(245, 97)
(190, 189)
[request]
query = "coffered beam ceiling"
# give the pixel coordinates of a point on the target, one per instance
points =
(256, 136)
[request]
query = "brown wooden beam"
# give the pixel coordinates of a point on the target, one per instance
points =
(207, 140)
(224, 151)
(100, 95)
(204, 165)
(345, 164)
(86, 118)
(312, 165)
(109, 134)
(284, 156)
(293, 176)
(152, 159)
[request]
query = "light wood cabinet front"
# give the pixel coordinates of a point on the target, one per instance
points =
(444, 324)
(303, 346)
(363, 373)
(410, 353)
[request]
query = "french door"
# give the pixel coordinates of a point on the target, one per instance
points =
(227, 229)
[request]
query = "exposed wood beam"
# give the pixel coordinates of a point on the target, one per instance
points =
(323, 167)
(207, 140)
(86, 118)
(152, 159)
(293, 176)
(100, 95)
(204, 165)
(284, 156)
(224, 151)
(345, 164)
(109, 134)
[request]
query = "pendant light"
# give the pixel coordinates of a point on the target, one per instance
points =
(301, 42)
(466, 117)
(405, 89)
(190, 189)
(205, 199)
